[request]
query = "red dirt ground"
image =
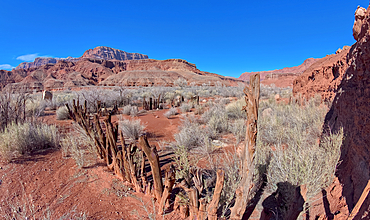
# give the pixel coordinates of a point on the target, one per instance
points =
(56, 186)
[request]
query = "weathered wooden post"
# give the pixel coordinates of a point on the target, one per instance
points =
(153, 158)
(252, 94)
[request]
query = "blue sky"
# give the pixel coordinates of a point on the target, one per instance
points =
(224, 37)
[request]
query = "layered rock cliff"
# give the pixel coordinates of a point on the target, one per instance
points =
(104, 53)
(107, 53)
(90, 71)
(296, 70)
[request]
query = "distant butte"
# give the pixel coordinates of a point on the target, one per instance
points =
(104, 53)
(105, 66)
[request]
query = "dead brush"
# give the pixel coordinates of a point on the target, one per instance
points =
(79, 146)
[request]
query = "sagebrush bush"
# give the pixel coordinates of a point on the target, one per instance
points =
(131, 129)
(191, 134)
(216, 120)
(130, 110)
(35, 108)
(289, 149)
(238, 129)
(186, 107)
(170, 112)
(234, 109)
(20, 139)
(62, 113)
(199, 109)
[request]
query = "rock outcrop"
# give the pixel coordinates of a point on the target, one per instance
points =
(296, 70)
(359, 20)
(323, 77)
(107, 53)
(344, 79)
(351, 110)
(103, 53)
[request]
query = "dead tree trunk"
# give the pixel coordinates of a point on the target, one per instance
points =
(252, 94)
(153, 158)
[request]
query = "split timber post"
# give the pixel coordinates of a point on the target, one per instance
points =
(246, 186)
(153, 158)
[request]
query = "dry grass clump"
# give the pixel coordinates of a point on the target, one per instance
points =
(62, 113)
(131, 129)
(289, 140)
(12, 108)
(170, 112)
(20, 139)
(234, 109)
(79, 146)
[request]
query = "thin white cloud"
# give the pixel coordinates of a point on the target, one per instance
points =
(28, 57)
(6, 67)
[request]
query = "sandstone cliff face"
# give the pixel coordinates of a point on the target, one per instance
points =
(351, 110)
(323, 77)
(101, 53)
(107, 53)
(297, 70)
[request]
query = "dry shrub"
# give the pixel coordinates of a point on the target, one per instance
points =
(238, 129)
(192, 134)
(231, 164)
(62, 113)
(199, 109)
(216, 119)
(79, 146)
(234, 109)
(131, 129)
(186, 107)
(12, 108)
(299, 157)
(170, 112)
(20, 139)
(130, 110)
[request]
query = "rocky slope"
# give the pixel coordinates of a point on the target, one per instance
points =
(323, 77)
(105, 53)
(296, 70)
(89, 71)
